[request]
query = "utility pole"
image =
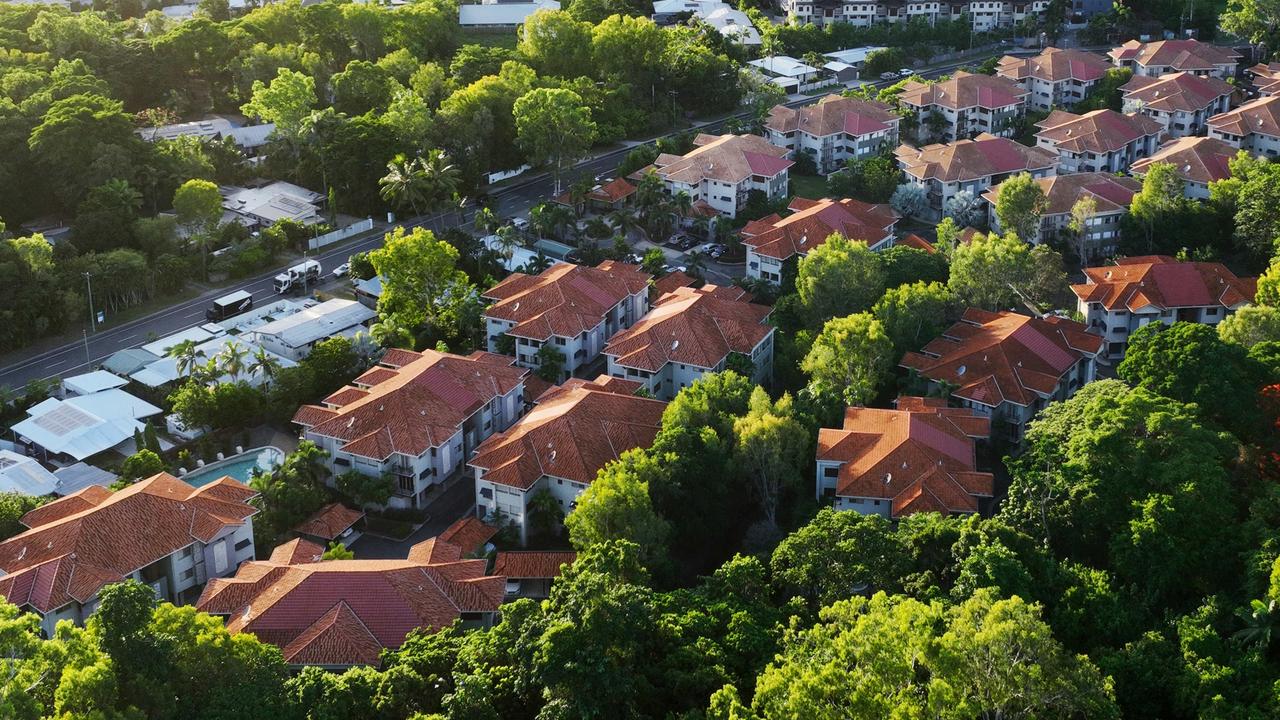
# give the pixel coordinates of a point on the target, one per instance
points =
(93, 317)
(86, 349)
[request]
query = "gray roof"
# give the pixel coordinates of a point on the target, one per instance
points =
(129, 361)
(318, 322)
(25, 475)
(75, 478)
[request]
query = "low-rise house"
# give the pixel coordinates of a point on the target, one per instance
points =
(161, 532)
(573, 309)
(1162, 57)
(260, 207)
(1098, 141)
(209, 129)
(972, 165)
(498, 15)
(966, 105)
(1197, 160)
(730, 21)
(91, 382)
(1111, 195)
(773, 241)
(529, 573)
(63, 431)
(1007, 366)
(251, 139)
(920, 457)
(1055, 78)
(165, 368)
(416, 417)
(833, 130)
(573, 431)
(613, 195)
(722, 170)
(24, 475)
(337, 614)
(1182, 102)
(790, 74)
(334, 522)
(853, 57)
(690, 333)
(1118, 299)
(294, 337)
(1254, 126)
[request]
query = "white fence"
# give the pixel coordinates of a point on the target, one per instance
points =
(316, 243)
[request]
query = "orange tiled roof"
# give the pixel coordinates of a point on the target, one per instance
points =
(912, 240)
(1184, 54)
(813, 221)
(920, 456)
(532, 564)
(1183, 91)
(671, 281)
(329, 521)
(572, 432)
(1111, 193)
(1196, 159)
(727, 158)
(832, 115)
(79, 543)
(694, 327)
(297, 551)
(565, 299)
(964, 90)
(1054, 65)
(613, 191)
(1261, 116)
(965, 160)
(1161, 282)
(415, 405)
(1099, 131)
(469, 534)
(1000, 357)
(345, 612)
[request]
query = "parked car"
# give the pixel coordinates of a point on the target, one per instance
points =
(342, 270)
(520, 224)
(889, 75)
(906, 72)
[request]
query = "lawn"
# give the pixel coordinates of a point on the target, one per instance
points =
(812, 187)
(489, 38)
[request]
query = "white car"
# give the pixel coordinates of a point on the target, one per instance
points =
(342, 270)
(906, 72)
(889, 75)
(520, 223)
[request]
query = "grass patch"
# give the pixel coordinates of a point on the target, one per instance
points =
(812, 187)
(489, 38)
(386, 527)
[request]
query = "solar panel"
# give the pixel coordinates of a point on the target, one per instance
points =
(64, 419)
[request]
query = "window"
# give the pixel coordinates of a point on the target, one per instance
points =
(187, 574)
(185, 552)
(830, 472)
(243, 544)
(560, 341)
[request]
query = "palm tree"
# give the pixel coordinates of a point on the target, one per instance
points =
(1259, 623)
(578, 196)
(231, 359)
(537, 263)
(622, 220)
(486, 221)
(541, 220)
(264, 363)
(388, 332)
(187, 357)
(682, 204)
(508, 240)
(405, 183)
(440, 179)
(696, 265)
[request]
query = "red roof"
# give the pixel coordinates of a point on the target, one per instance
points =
(1054, 65)
(920, 456)
(966, 160)
(1196, 159)
(694, 327)
(469, 534)
(613, 191)
(565, 299)
(1160, 282)
(964, 90)
(813, 221)
(912, 240)
(329, 521)
(671, 281)
(532, 564)
(994, 358)
(79, 543)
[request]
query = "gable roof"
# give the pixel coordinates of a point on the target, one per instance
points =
(79, 543)
(1000, 357)
(693, 327)
(339, 613)
(1184, 54)
(1195, 159)
(532, 564)
(564, 299)
(1054, 65)
(832, 115)
(1161, 282)
(920, 456)
(1182, 91)
(1099, 131)
(612, 191)
(572, 432)
(415, 402)
(1111, 193)
(966, 160)
(1261, 116)
(727, 158)
(813, 221)
(329, 522)
(964, 90)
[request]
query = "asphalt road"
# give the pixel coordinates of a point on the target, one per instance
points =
(512, 200)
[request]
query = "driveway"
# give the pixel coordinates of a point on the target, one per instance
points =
(457, 500)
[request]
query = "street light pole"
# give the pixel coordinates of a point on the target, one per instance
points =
(93, 317)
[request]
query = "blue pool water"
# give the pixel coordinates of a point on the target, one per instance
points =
(239, 466)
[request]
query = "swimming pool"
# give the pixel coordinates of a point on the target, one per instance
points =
(239, 466)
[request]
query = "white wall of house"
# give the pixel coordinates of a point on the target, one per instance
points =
(1115, 326)
(1180, 123)
(1115, 161)
(1103, 237)
(829, 152)
(579, 350)
(671, 378)
(1257, 143)
(513, 503)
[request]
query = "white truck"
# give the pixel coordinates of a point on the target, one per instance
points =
(298, 276)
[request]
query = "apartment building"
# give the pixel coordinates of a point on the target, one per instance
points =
(1181, 102)
(984, 14)
(833, 130)
(1098, 141)
(1266, 78)
(1055, 78)
(1197, 160)
(722, 170)
(919, 457)
(1118, 299)
(416, 417)
(1254, 126)
(572, 308)
(1111, 195)
(965, 105)
(773, 241)
(161, 532)
(1162, 57)
(573, 431)
(1007, 366)
(973, 165)
(690, 333)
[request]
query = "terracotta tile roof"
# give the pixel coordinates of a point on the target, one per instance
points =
(966, 160)
(420, 406)
(1177, 54)
(469, 534)
(1160, 281)
(79, 501)
(613, 191)
(67, 557)
(1182, 92)
(532, 564)
(1111, 193)
(672, 280)
(912, 240)
(693, 327)
(297, 551)
(1196, 159)
(1054, 65)
(1261, 116)
(1099, 131)
(329, 521)
(964, 90)
(832, 115)
(565, 299)
(920, 456)
(344, 612)
(813, 221)
(727, 158)
(572, 432)
(1004, 357)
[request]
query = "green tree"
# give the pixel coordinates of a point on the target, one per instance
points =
(1161, 196)
(984, 271)
(1250, 325)
(13, 506)
(904, 265)
(141, 465)
(773, 448)
(553, 125)
(420, 277)
(555, 43)
(360, 88)
(837, 278)
(1020, 203)
(849, 358)
(337, 551)
(198, 205)
(287, 101)
(290, 493)
(405, 184)
(616, 506)
(550, 363)
(365, 490)
(912, 315)
(837, 555)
